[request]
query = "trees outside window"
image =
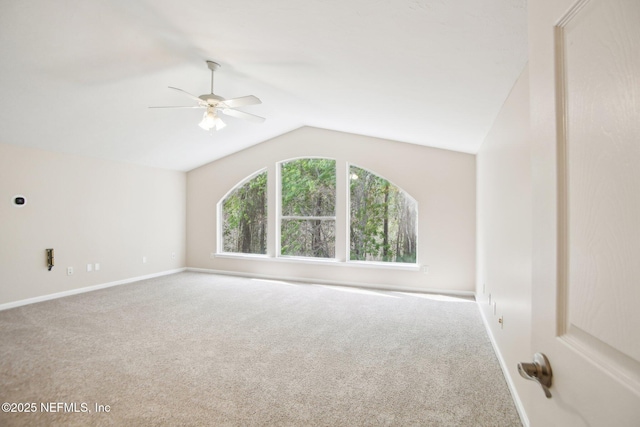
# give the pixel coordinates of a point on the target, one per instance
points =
(308, 205)
(244, 217)
(383, 219)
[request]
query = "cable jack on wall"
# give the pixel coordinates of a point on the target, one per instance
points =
(50, 259)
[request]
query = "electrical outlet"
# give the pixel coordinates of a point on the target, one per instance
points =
(69, 271)
(489, 301)
(212, 255)
(97, 267)
(89, 267)
(425, 269)
(501, 321)
(173, 255)
(144, 259)
(495, 308)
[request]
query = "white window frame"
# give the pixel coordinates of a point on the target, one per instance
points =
(348, 219)
(342, 225)
(220, 219)
(280, 217)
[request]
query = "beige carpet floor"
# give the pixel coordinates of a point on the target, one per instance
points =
(196, 349)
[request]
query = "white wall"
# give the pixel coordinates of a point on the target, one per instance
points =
(89, 211)
(504, 223)
(442, 182)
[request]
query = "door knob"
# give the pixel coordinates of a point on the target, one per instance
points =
(538, 371)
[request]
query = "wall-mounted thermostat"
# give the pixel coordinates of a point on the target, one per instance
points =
(19, 200)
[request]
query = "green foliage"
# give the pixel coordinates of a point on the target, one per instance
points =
(382, 220)
(311, 238)
(308, 190)
(308, 187)
(244, 215)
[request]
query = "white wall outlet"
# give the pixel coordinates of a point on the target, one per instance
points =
(212, 255)
(425, 269)
(144, 259)
(489, 300)
(69, 271)
(96, 267)
(173, 255)
(89, 267)
(495, 308)
(501, 321)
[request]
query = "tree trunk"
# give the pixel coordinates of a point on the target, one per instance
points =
(385, 224)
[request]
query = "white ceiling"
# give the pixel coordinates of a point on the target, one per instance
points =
(78, 76)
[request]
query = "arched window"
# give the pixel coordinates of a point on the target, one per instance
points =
(383, 219)
(308, 208)
(244, 217)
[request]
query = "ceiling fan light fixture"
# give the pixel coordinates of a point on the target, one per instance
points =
(210, 121)
(219, 123)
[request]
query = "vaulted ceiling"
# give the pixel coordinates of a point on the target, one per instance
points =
(78, 76)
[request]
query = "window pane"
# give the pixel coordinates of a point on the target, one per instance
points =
(383, 219)
(308, 237)
(244, 214)
(309, 187)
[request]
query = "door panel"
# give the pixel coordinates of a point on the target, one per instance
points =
(599, 88)
(585, 99)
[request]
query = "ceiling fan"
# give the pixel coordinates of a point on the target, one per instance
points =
(216, 104)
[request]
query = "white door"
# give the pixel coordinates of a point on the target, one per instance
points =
(585, 107)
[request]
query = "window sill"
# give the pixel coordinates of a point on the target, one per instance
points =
(380, 264)
(241, 255)
(319, 261)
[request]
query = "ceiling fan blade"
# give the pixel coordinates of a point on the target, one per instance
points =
(195, 98)
(242, 115)
(181, 106)
(242, 101)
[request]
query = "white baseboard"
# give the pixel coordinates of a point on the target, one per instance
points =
(503, 365)
(27, 301)
(335, 282)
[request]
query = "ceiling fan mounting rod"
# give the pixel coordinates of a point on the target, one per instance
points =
(213, 66)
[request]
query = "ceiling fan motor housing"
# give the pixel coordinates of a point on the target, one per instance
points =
(211, 99)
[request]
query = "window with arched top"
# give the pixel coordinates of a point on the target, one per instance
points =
(244, 217)
(383, 219)
(379, 222)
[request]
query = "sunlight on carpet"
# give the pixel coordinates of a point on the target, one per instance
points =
(203, 349)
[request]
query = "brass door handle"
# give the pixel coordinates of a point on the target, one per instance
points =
(538, 371)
